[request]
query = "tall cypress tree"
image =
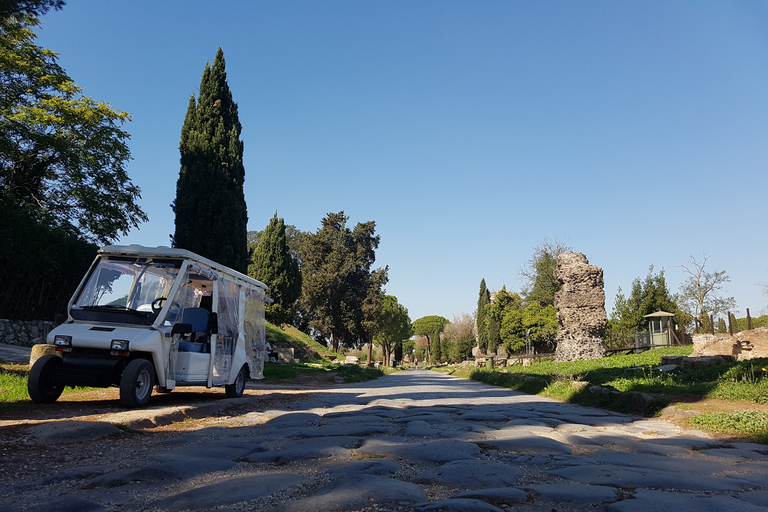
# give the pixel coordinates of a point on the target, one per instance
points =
(273, 264)
(211, 214)
(483, 300)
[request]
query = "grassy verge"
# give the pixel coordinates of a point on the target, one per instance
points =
(619, 376)
(13, 385)
(752, 425)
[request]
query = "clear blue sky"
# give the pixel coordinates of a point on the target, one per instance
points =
(470, 131)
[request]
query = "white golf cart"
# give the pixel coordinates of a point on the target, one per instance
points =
(146, 316)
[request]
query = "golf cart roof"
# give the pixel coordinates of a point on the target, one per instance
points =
(171, 252)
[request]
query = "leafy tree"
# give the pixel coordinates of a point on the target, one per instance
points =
(63, 185)
(459, 338)
(503, 302)
(431, 327)
(35, 8)
(539, 273)
(700, 293)
(294, 237)
(341, 294)
(512, 331)
(535, 323)
(394, 327)
(646, 297)
(273, 265)
(211, 214)
(483, 300)
(62, 154)
(541, 324)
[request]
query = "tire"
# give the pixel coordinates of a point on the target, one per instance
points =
(136, 383)
(235, 390)
(43, 386)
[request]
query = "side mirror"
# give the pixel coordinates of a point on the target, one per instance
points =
(213, 322)
(181, 329)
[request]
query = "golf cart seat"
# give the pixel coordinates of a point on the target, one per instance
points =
(198, 318)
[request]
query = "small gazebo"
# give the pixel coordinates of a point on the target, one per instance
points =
(659, 329)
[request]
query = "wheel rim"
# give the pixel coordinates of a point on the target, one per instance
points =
(240, 382)
(143, 382)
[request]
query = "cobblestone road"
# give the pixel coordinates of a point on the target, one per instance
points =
(411, 441)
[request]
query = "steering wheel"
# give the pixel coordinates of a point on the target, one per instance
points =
(156, 304)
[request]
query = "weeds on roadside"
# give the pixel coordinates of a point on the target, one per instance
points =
(751, 424)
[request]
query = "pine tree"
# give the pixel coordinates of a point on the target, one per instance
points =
(482, 328)
(273, 264)
(211, 214)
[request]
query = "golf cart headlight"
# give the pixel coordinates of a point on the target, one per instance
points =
(121, 345)
(62, 341)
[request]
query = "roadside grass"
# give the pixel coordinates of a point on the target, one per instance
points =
(620, 374)
(13, 385)
(753, 425)
(350, 373)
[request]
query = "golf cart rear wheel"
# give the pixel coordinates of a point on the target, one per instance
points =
(43, 385)
(235, 390)
(136, 383)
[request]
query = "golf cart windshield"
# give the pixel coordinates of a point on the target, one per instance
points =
(126, 290)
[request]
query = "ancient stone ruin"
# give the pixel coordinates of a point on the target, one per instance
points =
(580, 307)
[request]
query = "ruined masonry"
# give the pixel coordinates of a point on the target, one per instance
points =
(580, 304)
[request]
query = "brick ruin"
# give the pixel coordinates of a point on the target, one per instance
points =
(580, 304)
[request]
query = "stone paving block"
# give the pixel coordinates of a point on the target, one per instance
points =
(432, 418)
(661, 501)
(605, 474)
(66, 504)
(307, 449)
(228, 491)
(431, 451)
(70, 431)
(497, 496)
(651, 447)
(564, 493)
(184, 469)
(457, 505)
(419, 428)
(352, 429)
(698, 465)
(527, 444)
(292, 420)
(738, 452)
(471, 474)
(575, 427)
(356, 493)
(229, 451)
(758, 498)
(484, 416)
(353, 468)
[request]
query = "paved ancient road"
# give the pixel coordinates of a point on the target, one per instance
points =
(412, 441)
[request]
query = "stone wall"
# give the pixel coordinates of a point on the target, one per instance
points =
(580, 304)
(741, 346)
(24, 333)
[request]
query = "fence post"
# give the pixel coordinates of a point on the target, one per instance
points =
(712, 323)
(730, 325)
(749, 321)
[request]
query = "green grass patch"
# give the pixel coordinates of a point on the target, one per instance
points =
(354, 373)
(13, 385)
(750, 424)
